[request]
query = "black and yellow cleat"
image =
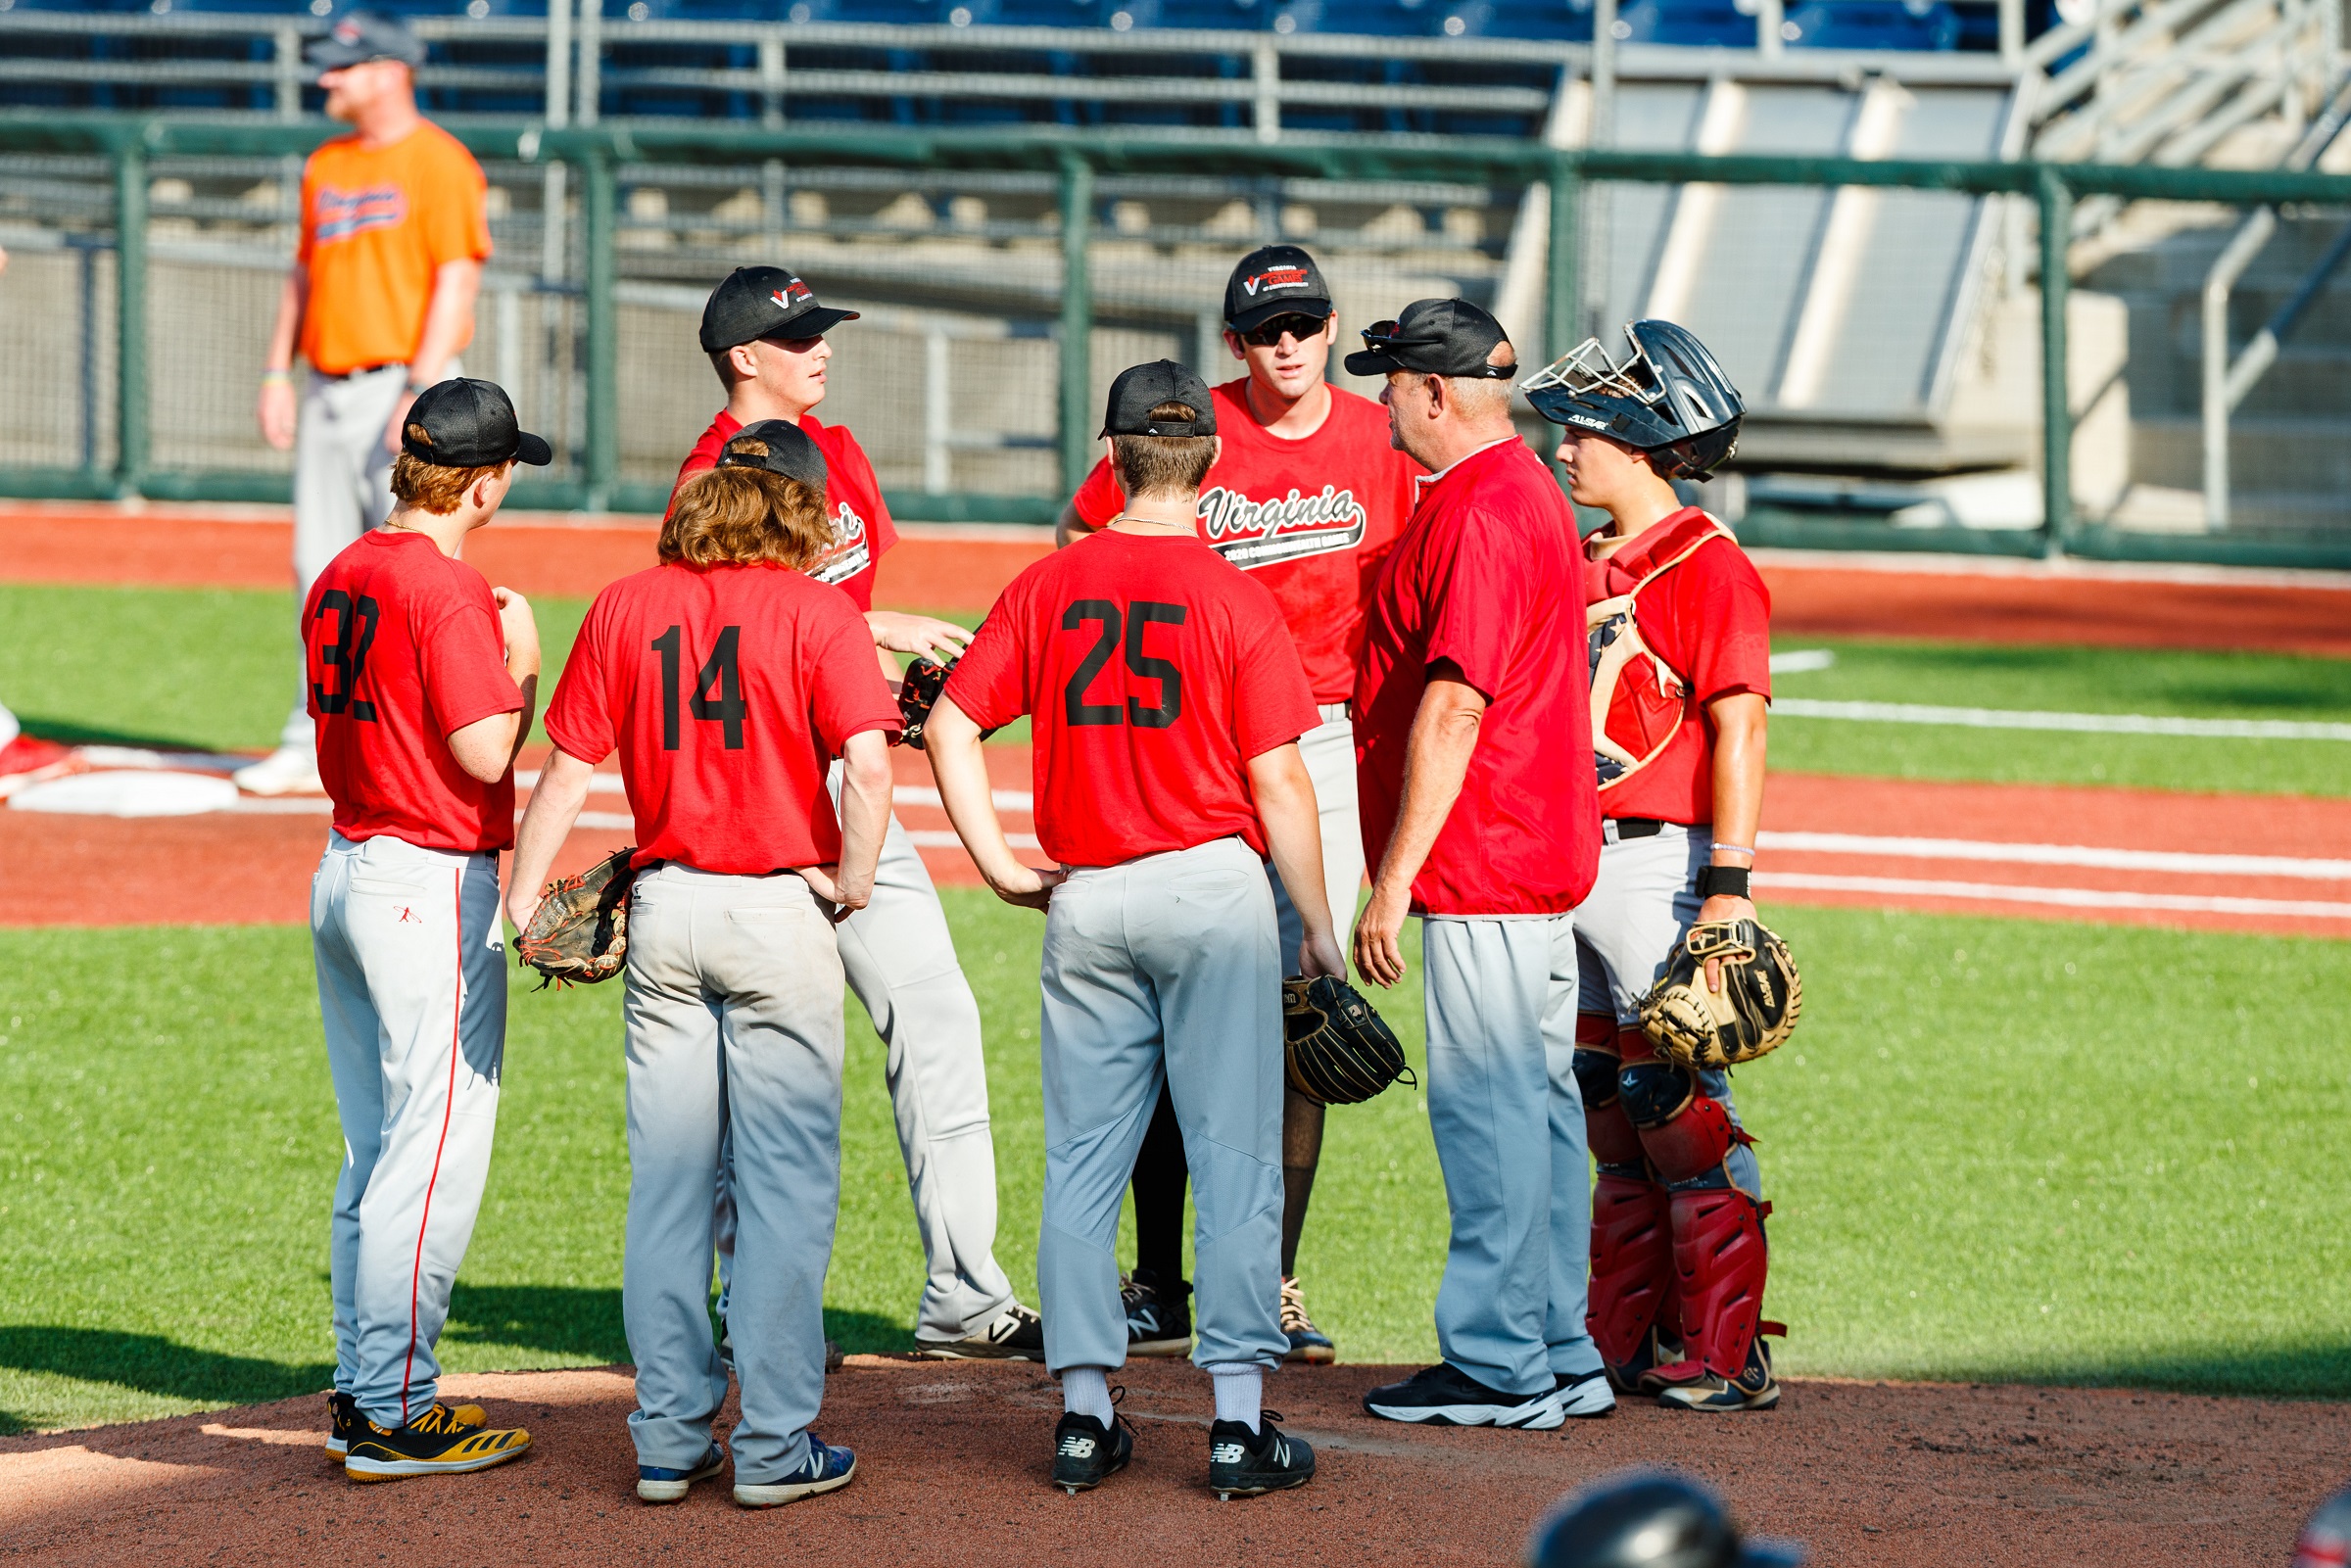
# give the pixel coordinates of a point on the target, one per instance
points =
(342, 1418)
(1753, 1388)
(439, 1442)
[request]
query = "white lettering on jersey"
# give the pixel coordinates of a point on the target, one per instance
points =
(849, 554)
(1260, 533)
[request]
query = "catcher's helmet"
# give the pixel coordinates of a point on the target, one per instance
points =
(1668, 397)
(1648, 1519)
(2326, 1540)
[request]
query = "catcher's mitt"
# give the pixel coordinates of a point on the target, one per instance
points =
(1756, 1009)
(1336, 1049)
(579, 930)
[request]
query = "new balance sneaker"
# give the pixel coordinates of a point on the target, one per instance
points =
(828, 1469)
(1753, 1388)
(1086, 1454)
(1444, 1395)
(1584, 1397)
(1308, 1342)
(1242, 1463)
(1016, 1334)
(439, 1442)
(1158, 1316)
(287, 771)
(342, 1414)
(654, 1483)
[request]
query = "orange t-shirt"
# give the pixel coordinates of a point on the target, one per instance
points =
(376, 224)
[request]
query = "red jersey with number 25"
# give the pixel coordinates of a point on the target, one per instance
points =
(862, 532)
(1152, 672)
(1308, 518)
(727, 691)
(403, 647)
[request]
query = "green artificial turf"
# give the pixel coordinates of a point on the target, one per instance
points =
(1998, 1150)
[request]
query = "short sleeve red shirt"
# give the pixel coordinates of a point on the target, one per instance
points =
(862, 532)
(1709, 619)
(1310, 519)
(401, 646)
(727, 691)
(1486, 576)
(1152, 672)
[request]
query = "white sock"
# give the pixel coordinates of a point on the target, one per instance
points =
(1240, 1391)
(1086, 1391)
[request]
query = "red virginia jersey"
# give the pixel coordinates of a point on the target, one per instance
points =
(1152, 672)
(1486, 575)
(403, 647)
(862, 533)
(1310, 519)
(727, 691)
(1709, 619)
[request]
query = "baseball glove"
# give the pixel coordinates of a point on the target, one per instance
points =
(1336, 1050)
(579, 930)
(1756, 1010)
(918, 690)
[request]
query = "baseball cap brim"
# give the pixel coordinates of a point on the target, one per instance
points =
(1258, 314)
(1372, 362)
(814, 322)
(533, 450)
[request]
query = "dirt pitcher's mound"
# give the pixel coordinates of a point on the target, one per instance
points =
(953, 1461)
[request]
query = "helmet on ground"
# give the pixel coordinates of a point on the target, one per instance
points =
(1648, 1519)
(1668, 398)
(2325, 1540)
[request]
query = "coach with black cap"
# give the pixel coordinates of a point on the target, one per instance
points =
(1481, 816)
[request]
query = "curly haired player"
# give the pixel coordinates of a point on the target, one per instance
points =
(1680, 643)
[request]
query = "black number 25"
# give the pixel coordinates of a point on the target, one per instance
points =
(717, 687)
(1138, 619)
(354, 635)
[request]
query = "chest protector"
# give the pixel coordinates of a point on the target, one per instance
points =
(1639, 702)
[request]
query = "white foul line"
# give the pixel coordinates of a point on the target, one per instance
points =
(2157, 860)
(2084, 723)
(925, 795)
(941, 839)
(2068, 897)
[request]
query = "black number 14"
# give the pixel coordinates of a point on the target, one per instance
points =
(717, 687)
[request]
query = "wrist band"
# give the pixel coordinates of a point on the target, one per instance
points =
(1736, 849)
(269, 376)
(1717, 882)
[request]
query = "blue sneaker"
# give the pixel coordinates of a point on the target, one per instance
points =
(657, 1485)
(828, 1469)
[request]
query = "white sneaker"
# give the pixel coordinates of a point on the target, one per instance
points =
(287, 771)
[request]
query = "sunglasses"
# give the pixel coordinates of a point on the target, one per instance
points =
(1269, 334)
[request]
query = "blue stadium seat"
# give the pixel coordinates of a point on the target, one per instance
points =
(1921, 24)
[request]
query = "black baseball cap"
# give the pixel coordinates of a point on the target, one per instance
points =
(1143, 388)
(778, 445)
(1274, 281)
(764, 302)
(469, 424)
(363, 35)
(1436, 337)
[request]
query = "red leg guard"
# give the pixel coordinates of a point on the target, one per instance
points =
(1719, 1261)
(1632, 1267)
(1693, 1142)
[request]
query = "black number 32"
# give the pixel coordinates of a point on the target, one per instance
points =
(354, 635)
(1140, 616)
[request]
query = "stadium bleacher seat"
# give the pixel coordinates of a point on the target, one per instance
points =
(1921, 24)
(1691, 23)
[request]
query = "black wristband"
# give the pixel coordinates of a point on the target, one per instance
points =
(1718, 881)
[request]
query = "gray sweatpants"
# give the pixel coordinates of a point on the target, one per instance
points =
(413, 993)
(1163, 970)
(1329, 753)
(734, 1024)
(1508, 1124)
(342, 487)
(900, 959)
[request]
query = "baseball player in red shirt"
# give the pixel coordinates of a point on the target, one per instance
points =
(422, 681)
(1479, 815)
(1681, 669)
(728, 681)
(764, 331)
(1306, 496)
(1166, 699)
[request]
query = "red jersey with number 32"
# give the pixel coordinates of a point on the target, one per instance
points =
(402, 647)
(1152, 672)
(728, 691)
(1308, 518)
(862, 532)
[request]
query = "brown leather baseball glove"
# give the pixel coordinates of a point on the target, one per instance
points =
(580, 931)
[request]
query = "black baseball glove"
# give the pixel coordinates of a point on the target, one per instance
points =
(918, 691)
(1336, 1050)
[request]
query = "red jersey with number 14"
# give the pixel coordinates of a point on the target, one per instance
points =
(862, 532)
(403, 647)
(727, 691)
(1152, 672)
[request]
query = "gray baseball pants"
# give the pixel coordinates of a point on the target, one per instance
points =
(734, 1024)
(1329, 753)
(1163, 970)
(413, 993)
(1507, 1120)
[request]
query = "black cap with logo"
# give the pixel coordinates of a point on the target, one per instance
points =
(778, 445)
(764, 302)
(1143, 388)
(469, 424)
(1274, 281)
(364, 35)
(1436, 337)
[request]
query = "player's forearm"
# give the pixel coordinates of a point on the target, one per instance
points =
(286, 331)
(555, 802)
(448, 320)
(1738, 745)
(952, 742)
(1436, 762)
(865, 798)
(1067, 527)
(1284, 794)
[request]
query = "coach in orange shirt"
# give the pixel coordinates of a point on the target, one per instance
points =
(380, 299)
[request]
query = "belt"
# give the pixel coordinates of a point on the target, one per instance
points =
(362, 370)
(1617, 830)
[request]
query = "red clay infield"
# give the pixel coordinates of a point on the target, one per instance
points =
(953, 1461)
